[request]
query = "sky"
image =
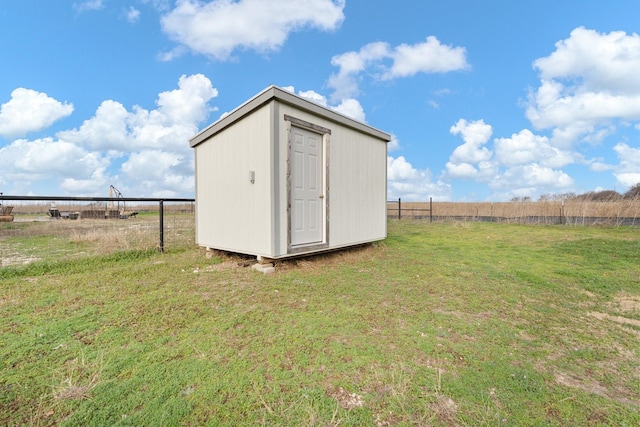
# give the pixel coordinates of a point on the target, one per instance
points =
(486, 100)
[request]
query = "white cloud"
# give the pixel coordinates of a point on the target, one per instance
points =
(351, 64)
(428, 57)
(590, 80)
(188, 103)
(525, 147)
(160, 5)
(394, 144)
(530, 180)
(601, 61)
(98, 180)
(398, 169)
(132, 15)
(216, 28)
(599, 166)
(88, 5)
(443, 92)
(46, 157)
(311, 95)
(481, 172)
(461, 170)
(107, 130)
(152, 146)
(160, 173)
(589, 86)
(406, 60)
(406, 182)
(151, 164)
(474, 134)
(168, 127)
(30, 111)
(628, 179)
(471, 160)
(349, 107)
(524, 165)
(628, 171)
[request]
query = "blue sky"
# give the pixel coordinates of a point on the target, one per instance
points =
(486, 100)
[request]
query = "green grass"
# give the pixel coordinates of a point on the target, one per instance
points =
(441, 324)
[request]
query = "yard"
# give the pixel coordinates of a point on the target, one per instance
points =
(441, 324)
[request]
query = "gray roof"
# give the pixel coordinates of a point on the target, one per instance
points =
(274, 92)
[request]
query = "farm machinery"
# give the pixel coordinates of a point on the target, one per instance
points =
(113, 209)
(114, 193)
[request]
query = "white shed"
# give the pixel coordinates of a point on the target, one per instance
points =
(281, 176)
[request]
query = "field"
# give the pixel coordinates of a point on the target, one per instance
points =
(36, 238)
(441, 324)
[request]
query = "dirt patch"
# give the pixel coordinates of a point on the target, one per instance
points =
(618, 319)
(446, 409)
(613, 314)
(593, 387)
(582, 384)
(226, 265)
(342, 256)
(13, 260)
(628, 303)
(345, 399)
(624, 304)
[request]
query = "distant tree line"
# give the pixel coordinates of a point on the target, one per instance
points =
(591, 196)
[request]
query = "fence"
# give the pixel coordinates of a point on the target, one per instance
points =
(44, 227)
(416, 212)
(571, 212)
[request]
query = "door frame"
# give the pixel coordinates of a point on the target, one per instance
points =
(325, 133)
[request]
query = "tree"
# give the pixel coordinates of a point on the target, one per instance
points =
(633, 192)
(606, 196)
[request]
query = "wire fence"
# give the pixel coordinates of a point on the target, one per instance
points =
(50, 228)
(622, 212)
(33, 227)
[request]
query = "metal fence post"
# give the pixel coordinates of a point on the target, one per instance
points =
(399, 209)
(161, 211)
(430, 209)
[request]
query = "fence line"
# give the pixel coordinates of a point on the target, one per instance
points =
(412, 210)
(111, 210)
(572, 212)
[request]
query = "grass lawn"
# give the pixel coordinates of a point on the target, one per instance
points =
(441, 324)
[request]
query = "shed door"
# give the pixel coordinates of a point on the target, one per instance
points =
(307, 190)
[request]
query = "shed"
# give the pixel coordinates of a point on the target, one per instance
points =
(281, 176)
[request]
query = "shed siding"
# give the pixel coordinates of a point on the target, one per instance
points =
(232, 213)
(357, 182)
(358, 188)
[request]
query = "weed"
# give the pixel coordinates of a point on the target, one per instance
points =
(77, 379)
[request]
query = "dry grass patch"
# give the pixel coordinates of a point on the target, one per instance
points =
(77, 379)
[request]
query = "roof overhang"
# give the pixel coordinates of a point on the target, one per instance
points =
(275, 93)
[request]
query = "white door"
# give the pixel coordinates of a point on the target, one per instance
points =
(307, 190)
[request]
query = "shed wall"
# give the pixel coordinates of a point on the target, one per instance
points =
(357, 188)
(357, 173)
(232, 213)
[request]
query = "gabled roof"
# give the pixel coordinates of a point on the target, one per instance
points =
(274, 92)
